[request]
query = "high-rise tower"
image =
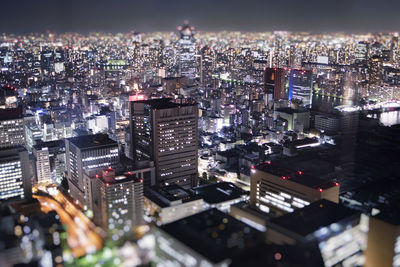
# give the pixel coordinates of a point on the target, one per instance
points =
(166, 133)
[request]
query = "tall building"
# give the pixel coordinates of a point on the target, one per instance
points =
(361, 53)
(187, 51)
(55, 151)
(274, 82)
(300, 85)
(118, 202)
(88, 154)
(276, 190)
(15, 181)
(166, 133)
(11, 127)
(375, 70)
(42, 164)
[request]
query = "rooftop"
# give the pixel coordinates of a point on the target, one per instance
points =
(291, 110)
(313, 217)
(165, 196)
(119, 177)
(296, 176)
(215, 235)
(11, 113)
(219, 192)
(162, 103)
(92, 141)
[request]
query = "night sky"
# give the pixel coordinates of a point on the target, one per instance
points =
(23, 16)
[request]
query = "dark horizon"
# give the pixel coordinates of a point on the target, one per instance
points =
(354, 16)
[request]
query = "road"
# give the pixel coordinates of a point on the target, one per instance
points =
(82, 235)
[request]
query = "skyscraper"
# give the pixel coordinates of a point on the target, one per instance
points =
(11, 127)
(274, 82)
(300, 85)
(14, 174)
(88, 154)
(186, 51)
(166, 133)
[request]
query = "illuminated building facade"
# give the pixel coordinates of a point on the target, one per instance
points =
(276, 190)
(11, 127)
(375, 70)
(42, 164)
(166, 133)
(300, 86)
(88, 154)
(118, 202)
(15, 181)
(52, 152)
(340, 232)
(187, 51)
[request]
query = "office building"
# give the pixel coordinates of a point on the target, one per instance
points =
(274, 82)
(293, 117)
(118, 202)
(15, 180)
(375, 70)
(88, 154)
(340, 232)
(166, 133)
(277, 190)
(42, 164)
(52, 152)
(186, 51)
(209, 238)
(170, 203)
(11, 127)
(300, 86)
(361, 55)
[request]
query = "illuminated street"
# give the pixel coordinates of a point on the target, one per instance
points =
(83, 236)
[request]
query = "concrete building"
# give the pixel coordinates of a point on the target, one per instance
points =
(166, 133)
(88, 154)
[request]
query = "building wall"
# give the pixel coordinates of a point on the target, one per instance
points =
(381, 243)
(272, 193)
